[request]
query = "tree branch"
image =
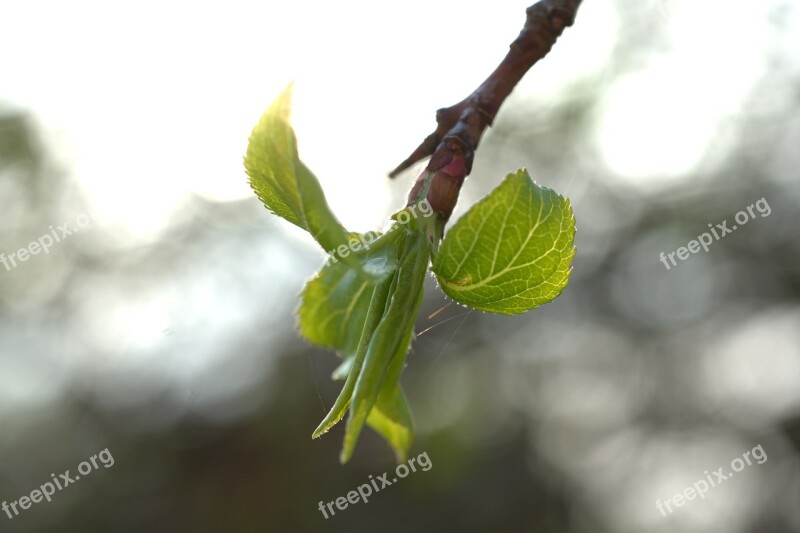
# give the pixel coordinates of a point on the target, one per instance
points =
(460, 127)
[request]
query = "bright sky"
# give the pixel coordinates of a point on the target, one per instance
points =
(661, 119)
(154, 102)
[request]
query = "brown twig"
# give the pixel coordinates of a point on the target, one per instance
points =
(460, 127)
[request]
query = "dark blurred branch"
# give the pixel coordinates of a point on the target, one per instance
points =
(460, 127)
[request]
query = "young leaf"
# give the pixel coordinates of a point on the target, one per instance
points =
(391, 418)
(338, 308)
(284, 184)
(333, 305)
(377, 305)
(334, 301)
(511, 252)
(390, 341)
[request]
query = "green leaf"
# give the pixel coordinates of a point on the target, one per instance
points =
(334, 302)
(343, 370)
(390, 341)
(283, 183)
(511, 252)
(391, 418)
(355, 361)
(372, 325)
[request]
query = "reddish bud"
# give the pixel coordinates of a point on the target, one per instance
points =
(443, 194)
(450, 165)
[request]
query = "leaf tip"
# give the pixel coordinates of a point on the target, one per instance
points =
(345, 455)
(320, 431)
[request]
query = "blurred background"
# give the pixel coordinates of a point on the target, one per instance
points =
(162, 327)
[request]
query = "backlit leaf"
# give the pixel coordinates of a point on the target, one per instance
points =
(511, 252)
